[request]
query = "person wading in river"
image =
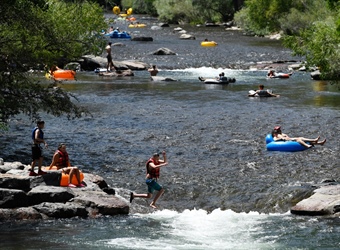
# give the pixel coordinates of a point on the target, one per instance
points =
(109, 66)
(153, 166)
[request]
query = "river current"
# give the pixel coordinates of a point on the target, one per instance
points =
(224, 190)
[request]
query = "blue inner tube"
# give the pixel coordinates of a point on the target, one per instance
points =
(287, 146)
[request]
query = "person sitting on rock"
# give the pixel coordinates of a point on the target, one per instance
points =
(62, 162)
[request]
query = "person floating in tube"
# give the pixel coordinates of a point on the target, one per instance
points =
(279, 136)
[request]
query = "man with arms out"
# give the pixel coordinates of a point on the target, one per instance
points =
(153, 70)
(38, 138)
(153, 166)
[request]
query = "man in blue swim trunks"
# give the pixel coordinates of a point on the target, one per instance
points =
(153, 166)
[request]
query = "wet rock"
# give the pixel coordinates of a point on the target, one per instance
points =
(62, 210)
(155, 27)
(117, 73)
(163, 51)
(187, 37)
(142, 38)
(25, 197)
(135, 65)
(90, 62)
(324, 201)
(163, 25)
(316, 75)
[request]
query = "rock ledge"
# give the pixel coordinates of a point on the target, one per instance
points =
(41, 197)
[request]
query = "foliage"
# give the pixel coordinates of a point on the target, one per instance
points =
(175, 11)
(140, 6)
(262, 16)
(219, 10)
(318, 37)
(42, 32)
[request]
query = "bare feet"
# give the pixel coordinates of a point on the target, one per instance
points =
(153, 206)
(316, 140)
(322, 142)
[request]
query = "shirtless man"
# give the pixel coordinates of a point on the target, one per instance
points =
(109, 66)
(153, 70)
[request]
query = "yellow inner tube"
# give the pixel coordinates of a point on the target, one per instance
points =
(129, 11)
(116, 10)
(140, 25)
(208, 43)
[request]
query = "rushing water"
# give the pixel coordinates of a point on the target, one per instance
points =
(223, 189)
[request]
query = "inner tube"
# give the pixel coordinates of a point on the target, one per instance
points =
(116, 10)
(64, 177)
(137, 25)
(129, 11)
(64, 74)
(208, 43)
(285, 146)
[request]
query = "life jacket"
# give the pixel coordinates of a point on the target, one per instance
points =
(63, 159)
(153, 172)
(41, 134)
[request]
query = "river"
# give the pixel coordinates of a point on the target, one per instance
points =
(224, 190)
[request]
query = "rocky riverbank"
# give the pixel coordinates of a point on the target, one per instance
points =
(41, 197)
(23, 197)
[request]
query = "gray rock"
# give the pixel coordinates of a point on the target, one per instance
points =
(324, 201)
(135, 65)
(41, 197)
(142, 38)
(12, 198)
(315, 75)
(163, 51)
(187, 37)
(42, 194)
(62, 210)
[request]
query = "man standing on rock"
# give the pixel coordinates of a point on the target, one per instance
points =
(109, 66)
(38, 138)
(153, 166)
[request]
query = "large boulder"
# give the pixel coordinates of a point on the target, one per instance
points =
(91, 62)
(324, 201)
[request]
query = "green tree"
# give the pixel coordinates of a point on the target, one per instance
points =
(34, 33)
(218, 10)
(319, 42)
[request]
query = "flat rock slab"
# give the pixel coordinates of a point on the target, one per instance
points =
(324, 201)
